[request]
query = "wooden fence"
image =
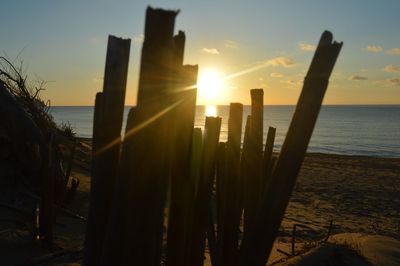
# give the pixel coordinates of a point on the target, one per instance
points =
(166, 191)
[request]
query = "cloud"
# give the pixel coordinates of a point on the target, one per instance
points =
(281, 61)
(356, 77)
(138, 38)
(210, 50)
(276, 75)
(231, 44)
(391, 68)
(395, 51)
(374, 48)
(307, 47)
(395, 81)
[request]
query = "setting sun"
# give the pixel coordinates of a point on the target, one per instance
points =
(210, 85)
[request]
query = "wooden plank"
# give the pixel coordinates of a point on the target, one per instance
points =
(206, 177)
(228, 225)
(191, 192)
(257, 245)
(107, 133)
(183, 118)
(268, 162)
(253, 181)
(150, 163)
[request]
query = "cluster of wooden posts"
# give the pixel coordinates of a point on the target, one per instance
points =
(167, 190)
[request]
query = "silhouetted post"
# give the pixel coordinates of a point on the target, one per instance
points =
(183, 118)
(106, 145)
(206, 177)
(244, 163)
(150, 163)
(267, 161)
(257, 244)
(191, 192)
(228, 225)
(254, 180)
(220, 184)
(115, 235)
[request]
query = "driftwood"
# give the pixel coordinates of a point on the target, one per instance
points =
(257, 245)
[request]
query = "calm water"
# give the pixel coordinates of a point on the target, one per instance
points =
(353, 130)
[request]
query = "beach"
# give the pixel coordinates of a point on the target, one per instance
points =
(359, 194)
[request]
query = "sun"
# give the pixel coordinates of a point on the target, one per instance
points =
(210, 85)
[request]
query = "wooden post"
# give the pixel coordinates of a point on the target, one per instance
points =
(268, 161)
(191, 192)
(150, 163)
(183, 118)
(244, 163)
(257, 245)
(220, 185)
(201, 206)
(106, 145)
(115, 235)
(228, 225)
(254, 180)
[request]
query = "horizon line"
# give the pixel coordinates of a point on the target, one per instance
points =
(367, 104)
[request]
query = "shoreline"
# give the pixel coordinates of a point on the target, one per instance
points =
(88, 139)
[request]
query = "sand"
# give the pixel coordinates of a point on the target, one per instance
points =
(360, 194)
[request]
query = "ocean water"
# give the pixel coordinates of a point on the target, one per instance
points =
(371, 130)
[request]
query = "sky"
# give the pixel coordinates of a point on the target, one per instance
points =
(64, 43)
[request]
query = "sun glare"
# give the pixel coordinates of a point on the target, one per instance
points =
(211, 110)
(210, 85)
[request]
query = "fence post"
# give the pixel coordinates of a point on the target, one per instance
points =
(201, 206)
(257, 245)
(106, 145)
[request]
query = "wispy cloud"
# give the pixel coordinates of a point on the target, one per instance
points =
(374, 48)
(395, 81)
(281, 61)
(276, 75)
(356, 77)
(395, 51)
(231, 44)
(391, 68)
(138, 38)
(210, 50)
(307, 47)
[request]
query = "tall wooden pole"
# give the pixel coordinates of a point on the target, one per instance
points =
(201, 206)
(107, 137)
(253, 181)
(150, 163)
(268, 162)
(228, 225)
(257, 245)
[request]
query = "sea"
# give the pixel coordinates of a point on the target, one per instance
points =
(367, 130)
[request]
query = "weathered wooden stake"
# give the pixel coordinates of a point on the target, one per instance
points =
(254, 180)
(183, 118)
(150, 163)
(228, 225)
(268, 162)
(191, 192)
(106, 145)
(257, 245)
(201, 206)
